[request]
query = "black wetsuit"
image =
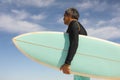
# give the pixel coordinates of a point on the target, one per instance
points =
(74, 29)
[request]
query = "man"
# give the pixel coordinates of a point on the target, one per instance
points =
(71, 17)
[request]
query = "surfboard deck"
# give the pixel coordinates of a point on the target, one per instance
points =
(94, 57)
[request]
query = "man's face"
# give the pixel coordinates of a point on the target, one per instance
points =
(66, 19)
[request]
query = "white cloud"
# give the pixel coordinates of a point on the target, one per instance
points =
(38, 17)
(36, 3)
(85, 21)
(105, 29)
(116, 7)
(22, 15)
(85, 5)
(12, 25)
(95, 5)
(115, 21)
(110, 32)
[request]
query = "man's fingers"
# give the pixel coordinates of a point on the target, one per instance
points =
(61, 68)
(66, 71)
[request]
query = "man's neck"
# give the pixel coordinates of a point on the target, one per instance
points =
(71, 21)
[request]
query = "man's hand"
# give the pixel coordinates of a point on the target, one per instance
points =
(65, 68)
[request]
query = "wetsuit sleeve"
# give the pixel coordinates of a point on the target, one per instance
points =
(73, 39)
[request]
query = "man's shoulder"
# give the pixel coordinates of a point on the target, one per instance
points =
(73, 23)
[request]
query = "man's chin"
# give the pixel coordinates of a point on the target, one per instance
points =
(65, 23)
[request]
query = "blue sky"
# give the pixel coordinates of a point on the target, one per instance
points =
(101, 19)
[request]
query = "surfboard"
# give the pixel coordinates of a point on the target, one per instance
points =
(94, 57)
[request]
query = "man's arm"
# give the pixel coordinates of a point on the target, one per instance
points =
(73, 38)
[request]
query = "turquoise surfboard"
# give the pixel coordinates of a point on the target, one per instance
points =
(94, 57)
